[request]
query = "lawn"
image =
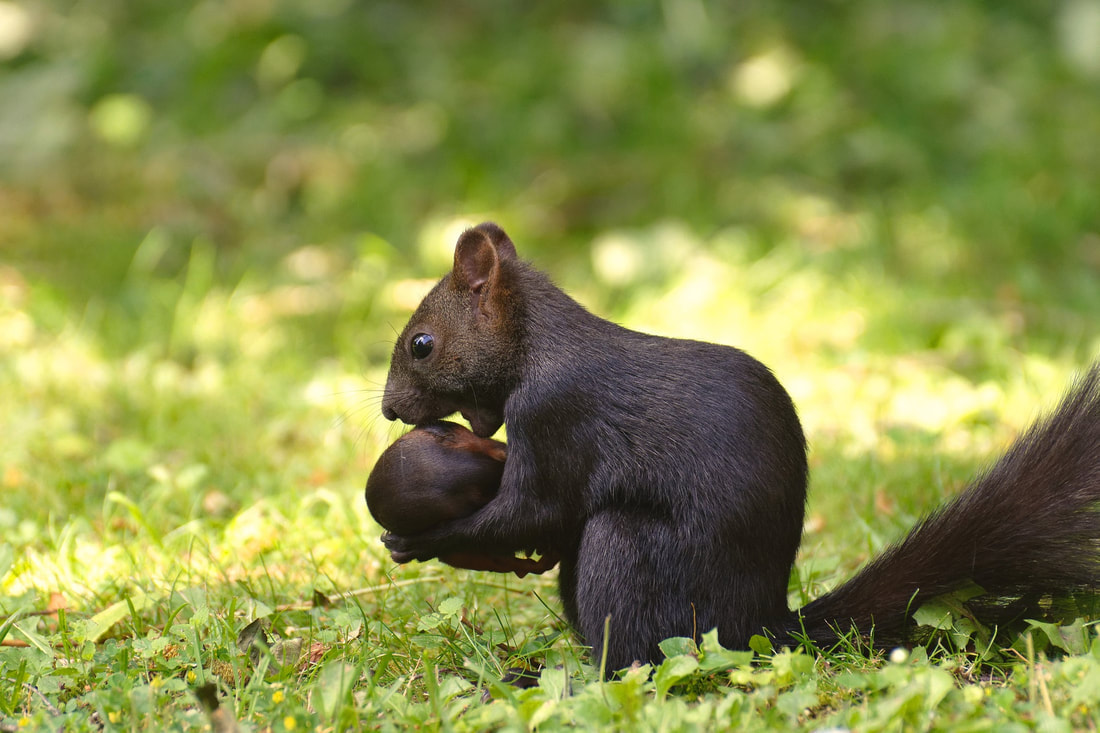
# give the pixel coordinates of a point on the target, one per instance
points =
(215, 217)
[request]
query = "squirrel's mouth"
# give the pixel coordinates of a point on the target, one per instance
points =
(483, 422)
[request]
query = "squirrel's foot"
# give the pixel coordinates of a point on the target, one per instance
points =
(404, 549)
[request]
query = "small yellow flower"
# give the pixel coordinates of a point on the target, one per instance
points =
(114, 716)
(25, 721)
(290, 723)
(277, 696)
(190, 675)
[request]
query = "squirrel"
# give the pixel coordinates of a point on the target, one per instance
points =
(669, 476)
(437, 472)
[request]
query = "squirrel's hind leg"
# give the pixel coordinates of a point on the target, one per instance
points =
(630, 576)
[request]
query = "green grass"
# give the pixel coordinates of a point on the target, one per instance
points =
(213, 220)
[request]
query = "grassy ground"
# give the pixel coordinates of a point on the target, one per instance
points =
(214, 217)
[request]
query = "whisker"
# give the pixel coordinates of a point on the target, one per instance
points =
(343, 392)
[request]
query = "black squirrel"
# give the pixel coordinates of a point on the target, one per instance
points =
(438, 472)
(670, 475)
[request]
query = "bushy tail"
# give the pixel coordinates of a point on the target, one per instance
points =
(1027, 532)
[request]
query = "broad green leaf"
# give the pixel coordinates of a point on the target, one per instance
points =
(1073, 638)
(429, 621)
(714, 656)
(25, 628)
(332, 687)
(673, 670)
(678, 645)
(98, 624)
(542, 713)
(760, 644)
(936, 614)
(795, 701)
(938, 683)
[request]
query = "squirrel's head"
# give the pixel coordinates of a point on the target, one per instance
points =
(460, 351)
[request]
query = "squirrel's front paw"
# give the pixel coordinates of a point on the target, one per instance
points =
(404, 549)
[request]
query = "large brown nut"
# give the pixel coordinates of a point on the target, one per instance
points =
(440, 472)
(433, 474)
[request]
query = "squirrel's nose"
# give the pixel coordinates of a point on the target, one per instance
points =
(388, 412)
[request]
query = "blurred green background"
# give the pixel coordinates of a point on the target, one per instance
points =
(213, 216)
(947, 146)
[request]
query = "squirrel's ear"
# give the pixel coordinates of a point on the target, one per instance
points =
(478, 255)
(475, 261)
(503, 245)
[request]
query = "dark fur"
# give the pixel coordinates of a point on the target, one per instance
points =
(670, 475)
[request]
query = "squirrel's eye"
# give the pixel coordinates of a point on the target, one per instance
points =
(421, 345)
